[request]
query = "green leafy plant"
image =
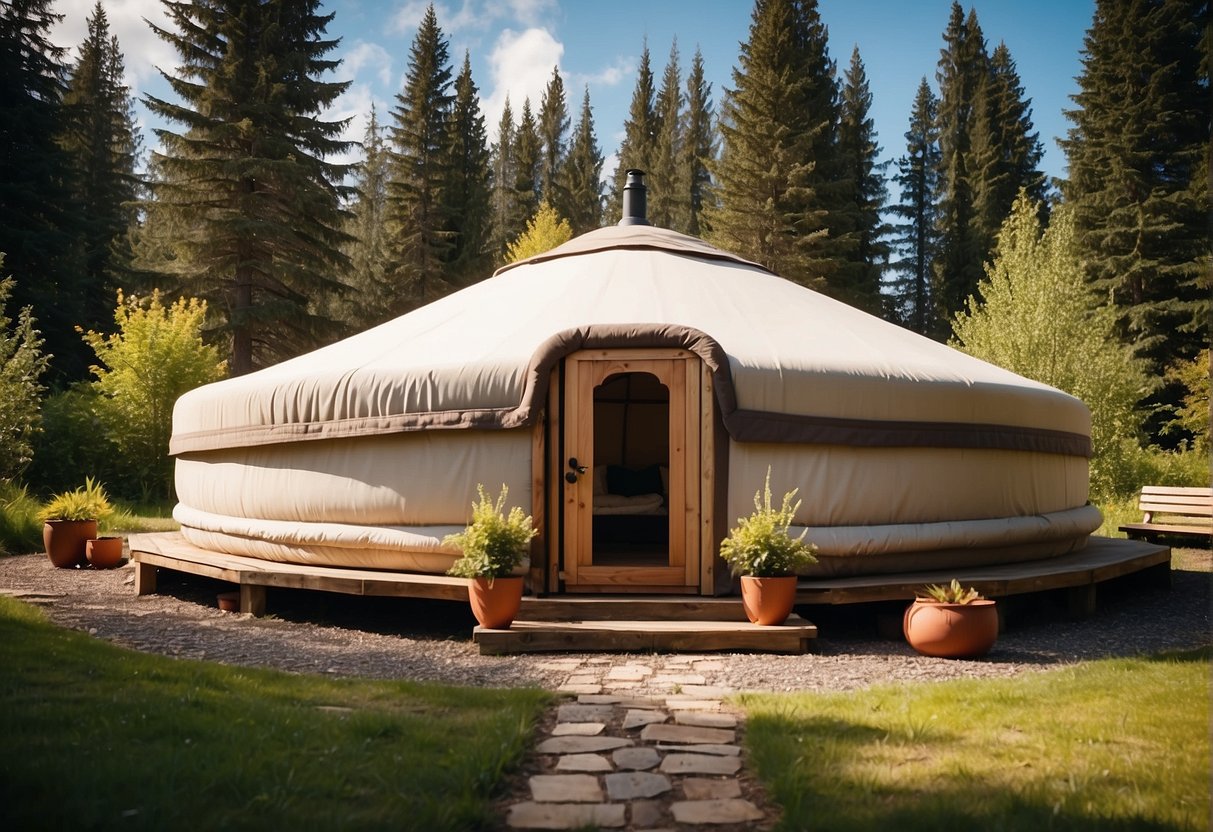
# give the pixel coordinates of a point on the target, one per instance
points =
(953, 593)
(87, 503)
(22, 363)
(760, 545)
(494, 543)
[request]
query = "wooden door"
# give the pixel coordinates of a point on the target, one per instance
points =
(591, 563)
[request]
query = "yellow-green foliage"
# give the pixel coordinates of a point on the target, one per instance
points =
(760, 544)
(546, 230)
(1038, 317)
(1193, 414)
(952, 593)
(494, 543)
(20, 528)
(156, 355)
(21, 365)
(87, 503)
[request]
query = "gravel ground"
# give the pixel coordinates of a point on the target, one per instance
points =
(313, 632)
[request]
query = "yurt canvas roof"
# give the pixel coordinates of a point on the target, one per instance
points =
(790, 364)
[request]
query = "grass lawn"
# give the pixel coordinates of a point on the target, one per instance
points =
(1109, 745)
(93, 736)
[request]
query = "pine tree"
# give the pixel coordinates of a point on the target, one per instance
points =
(39, 225)
(1138, 157)
(546, 230)
(668, 197)
(778, 159)
(503, 173)
(962, 67)
(636, 151)
(103, 142)
(916, 238)
(370, 299)
(528, 157)
(699, 144)
(553, 125)
(22, 364)
(249, 172)
(1005, 152)
(581, 175)
(857, 280)
(468, 193)
(418, 221)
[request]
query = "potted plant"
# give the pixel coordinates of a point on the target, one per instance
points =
(951, 622)
(103, 552)
(493, 546)
(762, 551)
(70, 520)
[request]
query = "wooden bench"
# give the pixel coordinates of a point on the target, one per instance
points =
(1192, 509)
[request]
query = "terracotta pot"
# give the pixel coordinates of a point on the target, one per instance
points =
(768, 601)
(103, 552)
(951, 631)
(229, 601)
(65, 539)
(495, 601)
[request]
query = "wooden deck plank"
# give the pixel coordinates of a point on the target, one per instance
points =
(170, 550)
(1101, 560)
(793, 636)
(609, 607)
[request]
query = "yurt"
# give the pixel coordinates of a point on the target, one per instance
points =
(632, 388)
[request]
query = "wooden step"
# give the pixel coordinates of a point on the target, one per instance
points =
(529, 636)
(631, 608)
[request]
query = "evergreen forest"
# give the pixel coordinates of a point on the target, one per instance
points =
(237, 228)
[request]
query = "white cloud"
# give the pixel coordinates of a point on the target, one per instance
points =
(527, 12)
(142, 49)
(468, 16)
(521, 66)
(369, 55)
(624, 67)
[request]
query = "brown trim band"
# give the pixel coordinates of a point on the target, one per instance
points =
(742, 425)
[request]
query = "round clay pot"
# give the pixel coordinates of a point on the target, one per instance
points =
(229, 601)
(768, 601)
(103, 552)
(65, 540)
(495, 601)
(951, 631)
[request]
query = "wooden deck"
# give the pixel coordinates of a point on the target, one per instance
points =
(634, 622)
(1078, 572)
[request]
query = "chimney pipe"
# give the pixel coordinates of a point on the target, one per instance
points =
(634, 199)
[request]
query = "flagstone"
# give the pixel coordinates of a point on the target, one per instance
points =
(707, 691)
(706, 720)
(629, 673)
(687, 734)
(706, 788)
(531, 815)
(579, 689)
(636, 784)
(585, 762)
(575, 712)
(702, 748)
(565, 788)
(598, 699)
(700, 764)
(645, 813)
(577, 729)
(678, 679)
(635, 758)
(581, 745)
(715, 811)
(636, 718)
(705, 665)
(691, 703)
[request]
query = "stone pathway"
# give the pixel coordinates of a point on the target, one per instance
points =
(645, 745)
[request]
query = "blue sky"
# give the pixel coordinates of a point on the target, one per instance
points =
(515, 43)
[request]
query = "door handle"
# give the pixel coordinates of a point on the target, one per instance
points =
(580, 469)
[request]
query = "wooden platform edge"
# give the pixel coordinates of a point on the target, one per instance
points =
(1102, 560)
(169, 550)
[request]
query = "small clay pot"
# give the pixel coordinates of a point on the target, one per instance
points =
(951, 631)
(495, 601)
(103, 552)
(768, 601)
(229, 601)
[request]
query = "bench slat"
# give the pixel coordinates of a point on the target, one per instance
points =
(1177, 508)
(1169, 490)
(1168, 529)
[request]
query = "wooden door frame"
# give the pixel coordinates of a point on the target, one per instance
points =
(693, 570)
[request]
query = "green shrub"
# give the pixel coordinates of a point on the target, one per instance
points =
(156, 355)
(72, 446)
(21, 365)
(760, 544)
(89, 502)
(20, 528)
